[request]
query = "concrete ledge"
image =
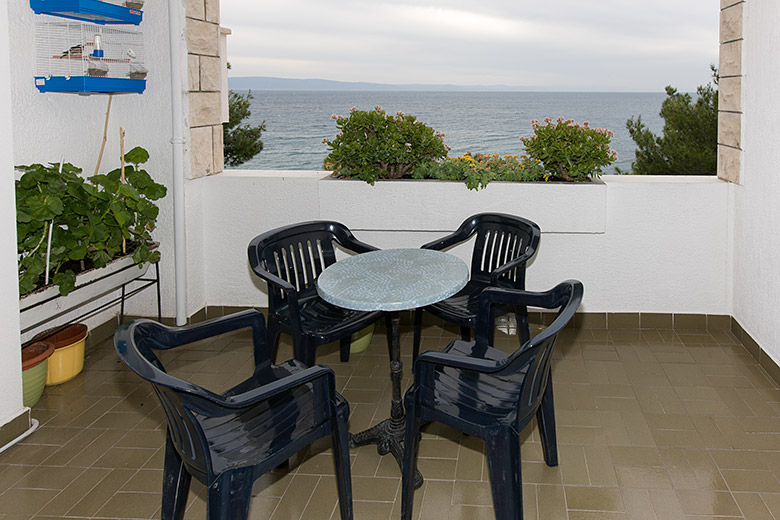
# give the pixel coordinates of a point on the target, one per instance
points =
(15, 427)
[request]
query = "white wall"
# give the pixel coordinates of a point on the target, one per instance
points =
(639, 244)
(757, 199)
(10, 358)
(48, 127)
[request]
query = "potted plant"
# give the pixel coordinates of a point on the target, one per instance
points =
(67, 225)
(374, 145)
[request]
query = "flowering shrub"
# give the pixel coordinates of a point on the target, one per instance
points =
(373, 145)
(477, 170)
(568, 150)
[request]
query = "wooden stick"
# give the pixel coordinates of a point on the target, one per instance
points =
(122, 151)
(122, 162)
(105, 133)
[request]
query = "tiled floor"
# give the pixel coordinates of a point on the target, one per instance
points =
(652, 424)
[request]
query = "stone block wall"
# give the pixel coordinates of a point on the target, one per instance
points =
(205, 83)
(730, 90)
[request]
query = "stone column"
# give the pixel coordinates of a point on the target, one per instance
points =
(730, 90)
(205, 73)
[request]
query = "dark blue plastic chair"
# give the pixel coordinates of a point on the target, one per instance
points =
(502, 246)
(489, 394)
(228, 440)
(290, 259)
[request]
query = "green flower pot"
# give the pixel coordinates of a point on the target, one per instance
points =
(360, 340)
(35, 366)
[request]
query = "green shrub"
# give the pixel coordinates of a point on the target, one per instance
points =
(689, 143)
(241, 141)
(478, 170)
(90, 222)
(570, 151)
(373, 145)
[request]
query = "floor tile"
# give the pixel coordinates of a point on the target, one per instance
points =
(652, 424)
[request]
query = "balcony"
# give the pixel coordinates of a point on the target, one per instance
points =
(667, 387)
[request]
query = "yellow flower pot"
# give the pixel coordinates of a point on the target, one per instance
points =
(68, 358)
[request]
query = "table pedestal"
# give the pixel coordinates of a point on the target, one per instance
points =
(388, 435)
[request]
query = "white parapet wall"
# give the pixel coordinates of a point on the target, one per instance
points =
(638, 243)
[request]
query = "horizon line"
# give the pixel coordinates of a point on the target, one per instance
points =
(410, 87)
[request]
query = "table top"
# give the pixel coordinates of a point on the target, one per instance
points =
(392, 279)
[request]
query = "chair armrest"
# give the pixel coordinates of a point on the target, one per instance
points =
(497, 295)
(447, 241)
(251, 318)
(357, 246)
(284, 285)
(282, 385)
(289, 290)
(502, 269)
(443, 359)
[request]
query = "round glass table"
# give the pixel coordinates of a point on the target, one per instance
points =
(392, 280)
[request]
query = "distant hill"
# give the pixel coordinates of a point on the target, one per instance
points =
(268, 83)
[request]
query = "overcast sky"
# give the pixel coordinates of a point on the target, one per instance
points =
(578, 45)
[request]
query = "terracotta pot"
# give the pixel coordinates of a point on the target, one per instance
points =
(63, 336)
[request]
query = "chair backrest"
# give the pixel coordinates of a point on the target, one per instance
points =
(535, 355)
(135, 343)
(500, 238)
(297, 254)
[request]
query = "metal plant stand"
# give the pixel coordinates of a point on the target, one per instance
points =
(128, 289)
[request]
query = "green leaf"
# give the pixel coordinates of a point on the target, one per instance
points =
(101, 258)
(137, 155)
(78, 252)
(66, 282)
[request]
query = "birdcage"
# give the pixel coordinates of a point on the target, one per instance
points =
(75, 56)
(95, 11)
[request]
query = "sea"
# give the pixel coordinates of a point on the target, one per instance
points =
(478, 122)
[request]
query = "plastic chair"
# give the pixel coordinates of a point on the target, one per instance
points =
(489, 394)
(290, 259)
(503, 245)
(228, 440)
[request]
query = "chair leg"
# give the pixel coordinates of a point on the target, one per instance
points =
(521, 317)
(344, 346)
(305, 351)
(229, 495)
(506, 483)
(340, 438)
(411, 444)
(272, 333)
(545, 417)
(418, 313)
(176, 484)
(465, 333)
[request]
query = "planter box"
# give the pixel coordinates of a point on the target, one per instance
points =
(432, 205)
(46, 303)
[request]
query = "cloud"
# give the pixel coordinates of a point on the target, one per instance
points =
(559, 44)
